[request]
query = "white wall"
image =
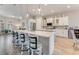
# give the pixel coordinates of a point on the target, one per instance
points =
(73, 18)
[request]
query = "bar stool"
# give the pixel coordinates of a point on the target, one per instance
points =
(24, 43)
(14, 38)
(17, 40)
(76, 41)
(13, 35)
(35, 46)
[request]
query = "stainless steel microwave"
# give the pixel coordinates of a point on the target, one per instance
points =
(49, 24)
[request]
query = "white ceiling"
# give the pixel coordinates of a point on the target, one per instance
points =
(21, 10)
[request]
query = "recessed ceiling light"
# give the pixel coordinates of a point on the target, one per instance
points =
(39, 9)
(68, 6)
(27, 15)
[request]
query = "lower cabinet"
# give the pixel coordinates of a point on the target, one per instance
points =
(45, 45)
(61, 32)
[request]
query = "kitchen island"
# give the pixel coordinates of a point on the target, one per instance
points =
(46, 38)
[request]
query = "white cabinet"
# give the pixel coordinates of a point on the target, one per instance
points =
(61, 32)
(66, 22)
(44, 22)
(39, 23)
(31, 24)
(58, 21)
(50, 20)
(61, 21)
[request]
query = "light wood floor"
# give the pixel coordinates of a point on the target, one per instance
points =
(64, 46)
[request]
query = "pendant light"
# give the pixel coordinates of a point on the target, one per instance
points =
(39, 9)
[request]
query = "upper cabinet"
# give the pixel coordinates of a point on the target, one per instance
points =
(49, 20)
(39, 23)
(44, 22)
(60, 21)
(56, 21)
(66, 21)
(32, 24)
(63, 21)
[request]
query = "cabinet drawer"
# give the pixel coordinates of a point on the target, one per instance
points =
(60, 32)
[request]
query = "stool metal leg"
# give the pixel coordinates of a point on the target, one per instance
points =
(22, 49)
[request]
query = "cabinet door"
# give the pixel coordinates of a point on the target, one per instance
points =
(56, 21)
(66, 22)
(39, 23)
(50, 20)
(44, 22)
(63, 21)
(61, 32)
(65, 33)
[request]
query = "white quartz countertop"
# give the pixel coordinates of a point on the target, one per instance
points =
(39, 33)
